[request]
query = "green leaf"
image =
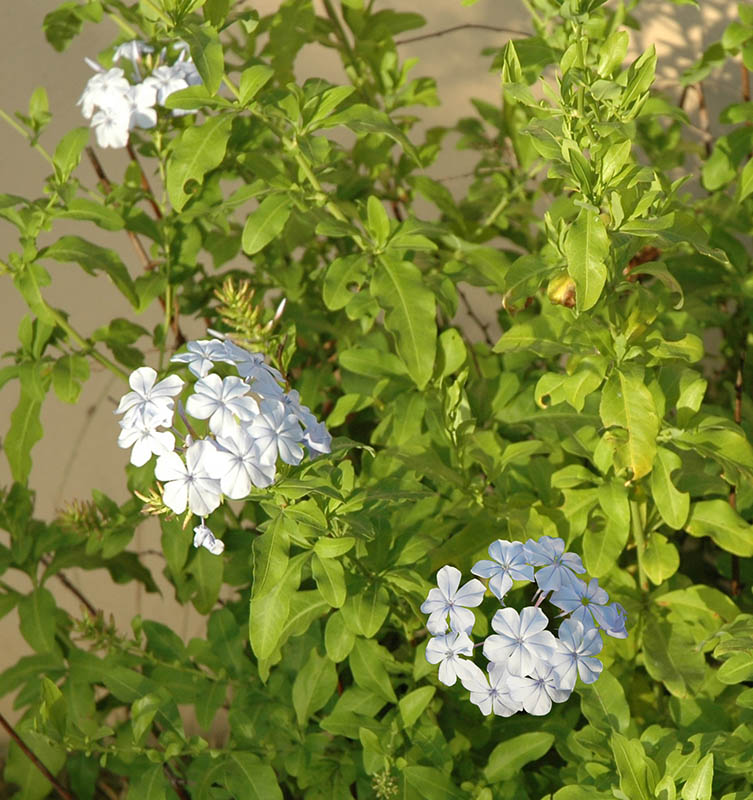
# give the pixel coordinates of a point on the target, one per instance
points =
(252, 80)
(313, 686)
(24, 432)
(266, 222)
(366, 664)
(338, 638)
(745, 186)
(330, 579)
(698, 784)
(250, 778)
(410, 315)
(604, 705)
(93, 259)
(150, 784)
(103, 216)
(429, 783)
(206, 52)
(361, 118)
(673, 505)
(207, 570)
(510, 756)
(36, 612)
(29, 282)
(365, 611)
(637, 771)
(20, 770)
(671, 656)
(209, 703)
(378, 223)
(68, 374)
(586, 248)
(414, 704)
(327, 547)
(371, 362)
(340, 277)
(660, 558)
(269, 612)
(718, 520)
(67, 154)
(271, 555)
(197, 151)
(737, 669)
(627, 403)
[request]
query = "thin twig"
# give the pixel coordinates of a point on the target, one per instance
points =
(703, 118)
(469, 25)
(107, 186)
(738, 412)
(472, 314)
(145, 182)
(71, 588)
(176, 782)
(59, 788)
(745, 88)
(61, 576)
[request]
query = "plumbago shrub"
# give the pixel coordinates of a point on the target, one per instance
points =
(336, 451)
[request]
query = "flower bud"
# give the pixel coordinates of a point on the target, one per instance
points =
(561, 290)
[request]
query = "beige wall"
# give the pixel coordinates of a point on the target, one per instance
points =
(79, 452)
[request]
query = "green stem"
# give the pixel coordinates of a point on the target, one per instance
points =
(636, 525)
(83, 344)
(341, 35)
(305, 168)
(38, 147)
(159, 12)
(123, 25)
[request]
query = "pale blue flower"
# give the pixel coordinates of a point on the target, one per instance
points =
(508, 565)
(446, 651)
(559, 567)
(201, 355)
(221, 401)
(576, 648)
(521, 640)
(538, 690)
(585, 602)
(449, 599)
(489, 692)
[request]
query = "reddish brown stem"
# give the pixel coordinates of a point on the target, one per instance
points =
(145, 182)
(467, 26)
(107, 186)
(59, 788)
(736, 583)
(703, 118)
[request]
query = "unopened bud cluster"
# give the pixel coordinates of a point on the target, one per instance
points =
(529, 667)
(253, 422)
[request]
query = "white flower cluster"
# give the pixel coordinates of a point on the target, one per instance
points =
(116, 106)
(252, 423)
(529, 667)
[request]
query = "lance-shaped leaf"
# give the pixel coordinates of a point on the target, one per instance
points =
(586, 249)
(25, 431)
(719, 521)
(266, 222)
(362, 118)
(627, 403)
(410, 315)
(673, 504)
(197, 150)
(206, 52)
(93, 259)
